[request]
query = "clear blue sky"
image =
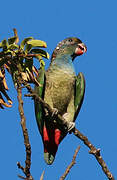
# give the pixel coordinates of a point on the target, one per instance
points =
(95, 23)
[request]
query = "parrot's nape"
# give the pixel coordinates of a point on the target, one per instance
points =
(62, 90)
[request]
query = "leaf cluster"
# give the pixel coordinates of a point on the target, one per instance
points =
(18, 60)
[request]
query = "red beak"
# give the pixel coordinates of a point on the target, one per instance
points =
(81, 49)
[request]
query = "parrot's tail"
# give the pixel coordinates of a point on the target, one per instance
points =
(51, 140)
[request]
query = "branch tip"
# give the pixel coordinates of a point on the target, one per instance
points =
(71, 164)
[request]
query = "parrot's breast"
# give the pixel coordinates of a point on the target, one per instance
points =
(59, 89)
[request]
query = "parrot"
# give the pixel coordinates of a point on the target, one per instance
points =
(63, 91)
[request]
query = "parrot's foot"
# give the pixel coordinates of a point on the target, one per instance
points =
(46, 112)
(55, 112)
(71, 126)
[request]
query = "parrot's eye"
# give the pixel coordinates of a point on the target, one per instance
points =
(70, 40)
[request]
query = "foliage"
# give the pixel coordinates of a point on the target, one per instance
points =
(18, 60)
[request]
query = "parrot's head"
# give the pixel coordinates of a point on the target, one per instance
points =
(71, 46)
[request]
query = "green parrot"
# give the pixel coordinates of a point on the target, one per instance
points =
(63, 91)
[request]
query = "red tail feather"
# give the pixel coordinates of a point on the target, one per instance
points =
(51, 139)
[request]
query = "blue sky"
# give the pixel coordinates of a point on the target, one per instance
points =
(94, 22)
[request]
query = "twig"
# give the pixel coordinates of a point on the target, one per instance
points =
(21, 177)
(71, 164)
(61, 121)
(25, 170)
(42, 176)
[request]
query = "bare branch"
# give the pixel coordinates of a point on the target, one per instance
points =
(42, 176)
(21, 177)
(25, 170)
(71, 164)
(95, 152)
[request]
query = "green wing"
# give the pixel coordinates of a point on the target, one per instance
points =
(40, 91)
(79, 93)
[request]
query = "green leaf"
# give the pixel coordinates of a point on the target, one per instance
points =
(25, 41)
(0, 44)
(12, 40)
(4, 44)
(29, 64)
(37, 43)
(13, 46)
(40, 52)
(2, 61)
(8, 51)
(28, 47)
(42, 63)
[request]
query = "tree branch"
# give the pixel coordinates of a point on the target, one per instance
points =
(71, 164)
(95, 152)
(62, 122)
(25, 170)
(42, 175)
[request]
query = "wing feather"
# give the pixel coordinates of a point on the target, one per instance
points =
(79, 93)
(38, 107)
